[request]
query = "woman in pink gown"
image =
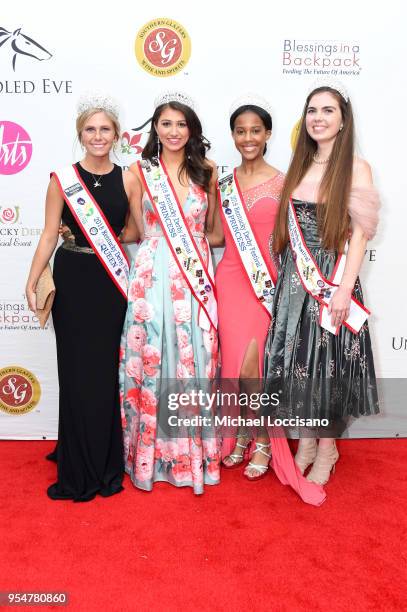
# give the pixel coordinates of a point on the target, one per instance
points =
(243, 319)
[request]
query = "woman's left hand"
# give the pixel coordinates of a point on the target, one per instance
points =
(339, 305)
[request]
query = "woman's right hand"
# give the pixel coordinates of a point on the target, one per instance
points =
(31, 298)
(65, 233)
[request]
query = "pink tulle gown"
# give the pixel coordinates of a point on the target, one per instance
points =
(242, 319)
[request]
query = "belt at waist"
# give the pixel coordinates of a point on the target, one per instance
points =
(148, 235)
(71, 246)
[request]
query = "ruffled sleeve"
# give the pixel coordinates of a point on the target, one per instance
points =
(364, 204)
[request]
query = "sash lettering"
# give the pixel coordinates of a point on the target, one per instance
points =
(95, 226)
(319, 287)
(262, 276)
(181, 242)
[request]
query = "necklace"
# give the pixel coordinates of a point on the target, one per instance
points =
(320, 161)
(97, 180)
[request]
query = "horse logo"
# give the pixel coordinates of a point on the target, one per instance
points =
(22, 45)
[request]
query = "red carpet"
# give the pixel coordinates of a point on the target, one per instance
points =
(241, 546)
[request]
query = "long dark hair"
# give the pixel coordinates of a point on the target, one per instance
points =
(195, 165)
(332, 214)
(257, 110)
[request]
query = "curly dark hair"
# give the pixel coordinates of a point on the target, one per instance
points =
(195, 164)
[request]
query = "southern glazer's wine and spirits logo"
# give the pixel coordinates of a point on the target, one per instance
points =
(20, 390)
(15, 148)
(17, 44)
(320, 57)
(17, 49)
(163, 47)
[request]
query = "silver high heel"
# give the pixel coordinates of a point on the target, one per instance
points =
(260, 470)
(237, 458)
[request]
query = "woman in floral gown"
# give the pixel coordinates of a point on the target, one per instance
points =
(163, 345)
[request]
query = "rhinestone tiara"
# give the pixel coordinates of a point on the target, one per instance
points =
(252, 100)
(174, 96)
(332, 84)
(97, 99)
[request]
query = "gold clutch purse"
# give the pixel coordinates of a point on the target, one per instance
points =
(45, 292)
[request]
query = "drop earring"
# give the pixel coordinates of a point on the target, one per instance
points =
(158, 146)
(341, 128)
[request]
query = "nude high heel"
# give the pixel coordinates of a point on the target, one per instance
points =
(323, 465)
(306, 453)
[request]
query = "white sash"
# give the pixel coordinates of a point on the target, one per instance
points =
(316, 284)
(261, 276)
(94, 225)
(197, 274)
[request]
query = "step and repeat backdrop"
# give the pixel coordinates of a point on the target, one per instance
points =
(215, 53)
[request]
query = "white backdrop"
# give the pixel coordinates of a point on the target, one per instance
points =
(85, 46)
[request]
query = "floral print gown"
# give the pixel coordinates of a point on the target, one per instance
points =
(322, 376)
(162, 344)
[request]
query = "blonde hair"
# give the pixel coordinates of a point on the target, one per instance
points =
(83, 117)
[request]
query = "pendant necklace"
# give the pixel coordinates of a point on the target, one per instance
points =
(97, 180)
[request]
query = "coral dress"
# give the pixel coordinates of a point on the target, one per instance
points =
(162, 346)
(242, 318)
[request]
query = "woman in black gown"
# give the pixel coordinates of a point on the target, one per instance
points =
(88, 315)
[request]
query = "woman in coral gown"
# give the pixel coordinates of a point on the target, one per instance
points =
(244, 307)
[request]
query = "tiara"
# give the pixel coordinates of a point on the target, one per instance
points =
(174, 96)
(250, 99)
(332, 84)
(97, 99)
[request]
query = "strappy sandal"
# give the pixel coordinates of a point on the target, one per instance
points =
(237, 459)
(261, 469)
(306, 454)
(324, 464)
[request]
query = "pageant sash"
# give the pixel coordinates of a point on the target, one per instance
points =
(261, 276)
(181, 242)
(94, 225)
(315, 283)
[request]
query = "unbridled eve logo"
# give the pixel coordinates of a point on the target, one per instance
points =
(163, 47)
(15, 148)
(19, 44)
(20, 390)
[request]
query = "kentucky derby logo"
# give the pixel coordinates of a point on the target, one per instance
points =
(163, 47)
(20, 390)
(15, 148)
(9, 215)
(20, 44)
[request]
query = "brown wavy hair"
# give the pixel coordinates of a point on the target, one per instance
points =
(333, 195)
(195, 165)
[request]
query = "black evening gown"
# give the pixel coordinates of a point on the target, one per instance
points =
(317, 375)
(88, 315)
